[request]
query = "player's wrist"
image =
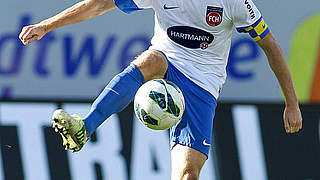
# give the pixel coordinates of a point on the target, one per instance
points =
(292, 104)
(46, 26)
(291, 100)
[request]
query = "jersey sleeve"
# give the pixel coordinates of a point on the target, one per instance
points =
(130, 6)
(248, 19)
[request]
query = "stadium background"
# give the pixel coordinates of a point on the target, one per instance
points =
(70, 66)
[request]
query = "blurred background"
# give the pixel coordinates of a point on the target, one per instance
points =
(71, 65)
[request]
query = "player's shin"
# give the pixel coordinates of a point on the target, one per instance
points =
(115, 97)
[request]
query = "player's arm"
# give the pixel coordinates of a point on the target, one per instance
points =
(292, 115)
(79, 12)
(248, 19)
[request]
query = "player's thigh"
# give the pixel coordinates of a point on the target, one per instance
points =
(152, 64)
(186, 162)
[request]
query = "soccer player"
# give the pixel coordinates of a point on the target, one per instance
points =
(190, 47)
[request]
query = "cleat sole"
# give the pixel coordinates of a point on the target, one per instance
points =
(60, 123)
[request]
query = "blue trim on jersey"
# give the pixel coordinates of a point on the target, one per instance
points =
(127, 6)
(253, 33)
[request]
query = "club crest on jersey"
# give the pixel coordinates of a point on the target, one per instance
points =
(214, 15)
(204, 45)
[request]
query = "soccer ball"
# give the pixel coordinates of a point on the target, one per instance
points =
(159, 104)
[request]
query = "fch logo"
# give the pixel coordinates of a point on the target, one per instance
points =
(304, 59)
(214, 15)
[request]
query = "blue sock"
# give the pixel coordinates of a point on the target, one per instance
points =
(115, 97)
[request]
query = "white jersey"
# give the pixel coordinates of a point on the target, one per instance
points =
(195, 35)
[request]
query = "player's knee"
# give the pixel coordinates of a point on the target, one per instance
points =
(152, 64)
(186, 172)
(190, 174)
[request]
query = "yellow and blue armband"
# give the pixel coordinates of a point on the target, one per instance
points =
(257, 31)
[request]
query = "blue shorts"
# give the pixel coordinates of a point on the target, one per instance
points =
(195, 127)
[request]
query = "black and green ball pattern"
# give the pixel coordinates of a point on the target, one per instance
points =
(155, 104)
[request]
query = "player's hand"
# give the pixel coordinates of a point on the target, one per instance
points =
(32, 33)
(292, 119)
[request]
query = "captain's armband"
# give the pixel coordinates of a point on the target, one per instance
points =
(257, 31)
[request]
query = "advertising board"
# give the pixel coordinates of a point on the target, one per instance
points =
(249, 143)
(77, 61)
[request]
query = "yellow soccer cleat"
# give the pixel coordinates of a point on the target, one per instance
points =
(71, 128)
